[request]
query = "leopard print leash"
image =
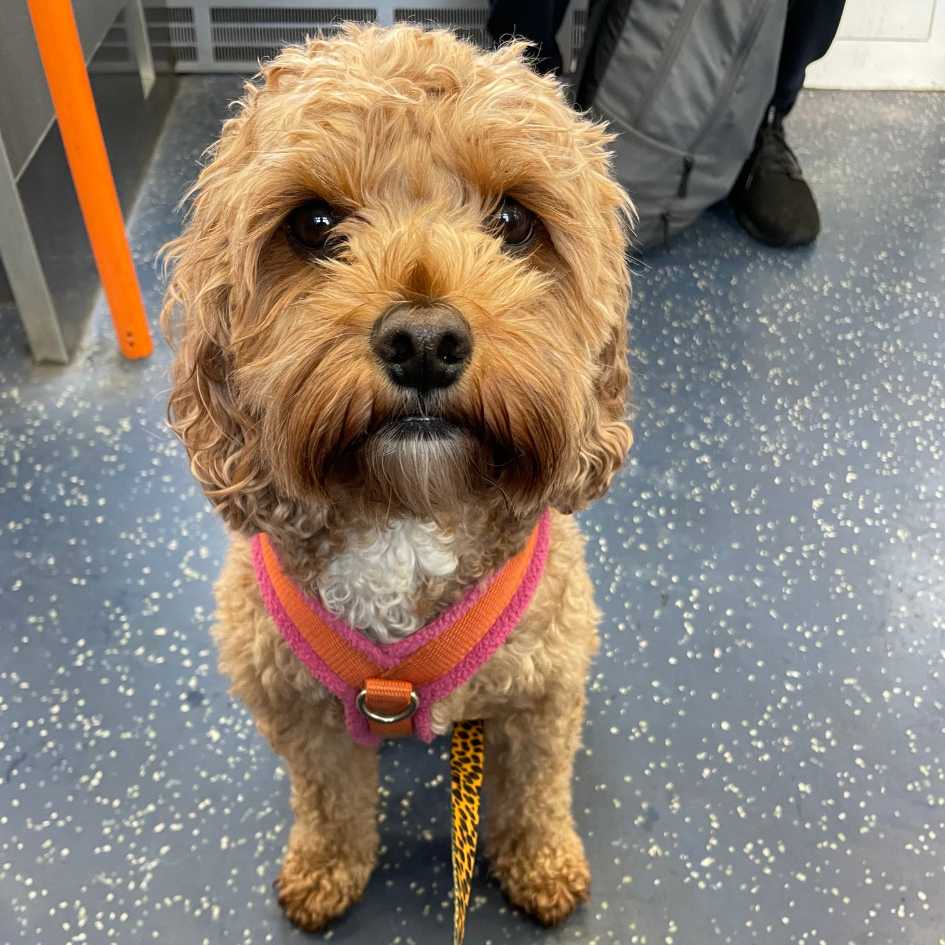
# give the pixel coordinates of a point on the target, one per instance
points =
(467, 753)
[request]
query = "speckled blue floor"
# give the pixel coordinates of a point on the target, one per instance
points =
(765, 749)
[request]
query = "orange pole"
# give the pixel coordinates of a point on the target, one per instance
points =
(61, 52)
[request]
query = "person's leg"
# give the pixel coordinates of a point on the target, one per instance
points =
(537, 20)
(808, 32)
(771, 199)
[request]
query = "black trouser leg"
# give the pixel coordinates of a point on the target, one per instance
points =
(808, 32)
(537, 20)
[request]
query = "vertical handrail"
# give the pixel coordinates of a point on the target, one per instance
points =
(61, 52)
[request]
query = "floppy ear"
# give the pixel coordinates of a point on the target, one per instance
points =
(220, 438)
(203, 291)
(610, 437)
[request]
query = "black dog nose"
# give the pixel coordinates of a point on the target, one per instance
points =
(423, 347)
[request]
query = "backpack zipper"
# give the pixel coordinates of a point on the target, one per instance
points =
(761, 12)
(688, 163)
(762, 8)
(669, 58)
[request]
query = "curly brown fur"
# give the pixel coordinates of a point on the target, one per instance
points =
(282, 405)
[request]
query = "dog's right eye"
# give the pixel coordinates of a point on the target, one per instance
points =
(513, 224)
(310, 226)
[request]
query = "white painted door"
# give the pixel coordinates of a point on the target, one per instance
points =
(885, 44)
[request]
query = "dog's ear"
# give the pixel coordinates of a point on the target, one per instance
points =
(610, 437)
(203, 410)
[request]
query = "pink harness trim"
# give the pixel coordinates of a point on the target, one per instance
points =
(390, 655)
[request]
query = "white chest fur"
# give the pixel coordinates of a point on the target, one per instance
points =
(372, 585)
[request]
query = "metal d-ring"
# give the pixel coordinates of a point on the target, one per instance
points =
(407, 713)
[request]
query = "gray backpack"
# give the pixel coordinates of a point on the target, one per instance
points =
(685, 84)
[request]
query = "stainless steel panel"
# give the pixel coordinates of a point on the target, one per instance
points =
(25, 107)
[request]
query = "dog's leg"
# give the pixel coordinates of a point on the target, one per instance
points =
(535, 850)
(333, 842)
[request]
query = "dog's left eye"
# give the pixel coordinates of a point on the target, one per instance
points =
(311, 225)
(513, 224)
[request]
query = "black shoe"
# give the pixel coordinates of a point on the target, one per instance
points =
(771, 198)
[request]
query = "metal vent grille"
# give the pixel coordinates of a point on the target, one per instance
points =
(468, 22)
(234, 35)
(303, 16)
(172, 34)
(250, 34)
(578, 32)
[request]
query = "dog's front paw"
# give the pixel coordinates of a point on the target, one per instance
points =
(311, 895)
(548, 880)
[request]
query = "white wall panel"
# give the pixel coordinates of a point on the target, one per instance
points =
(886, 44)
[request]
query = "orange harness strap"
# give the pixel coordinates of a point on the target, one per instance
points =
(388, 681)
(392, 698)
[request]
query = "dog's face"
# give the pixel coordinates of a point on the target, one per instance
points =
(403, 282)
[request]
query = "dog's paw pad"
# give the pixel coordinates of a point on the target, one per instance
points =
(311, 897)
(548, 883)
